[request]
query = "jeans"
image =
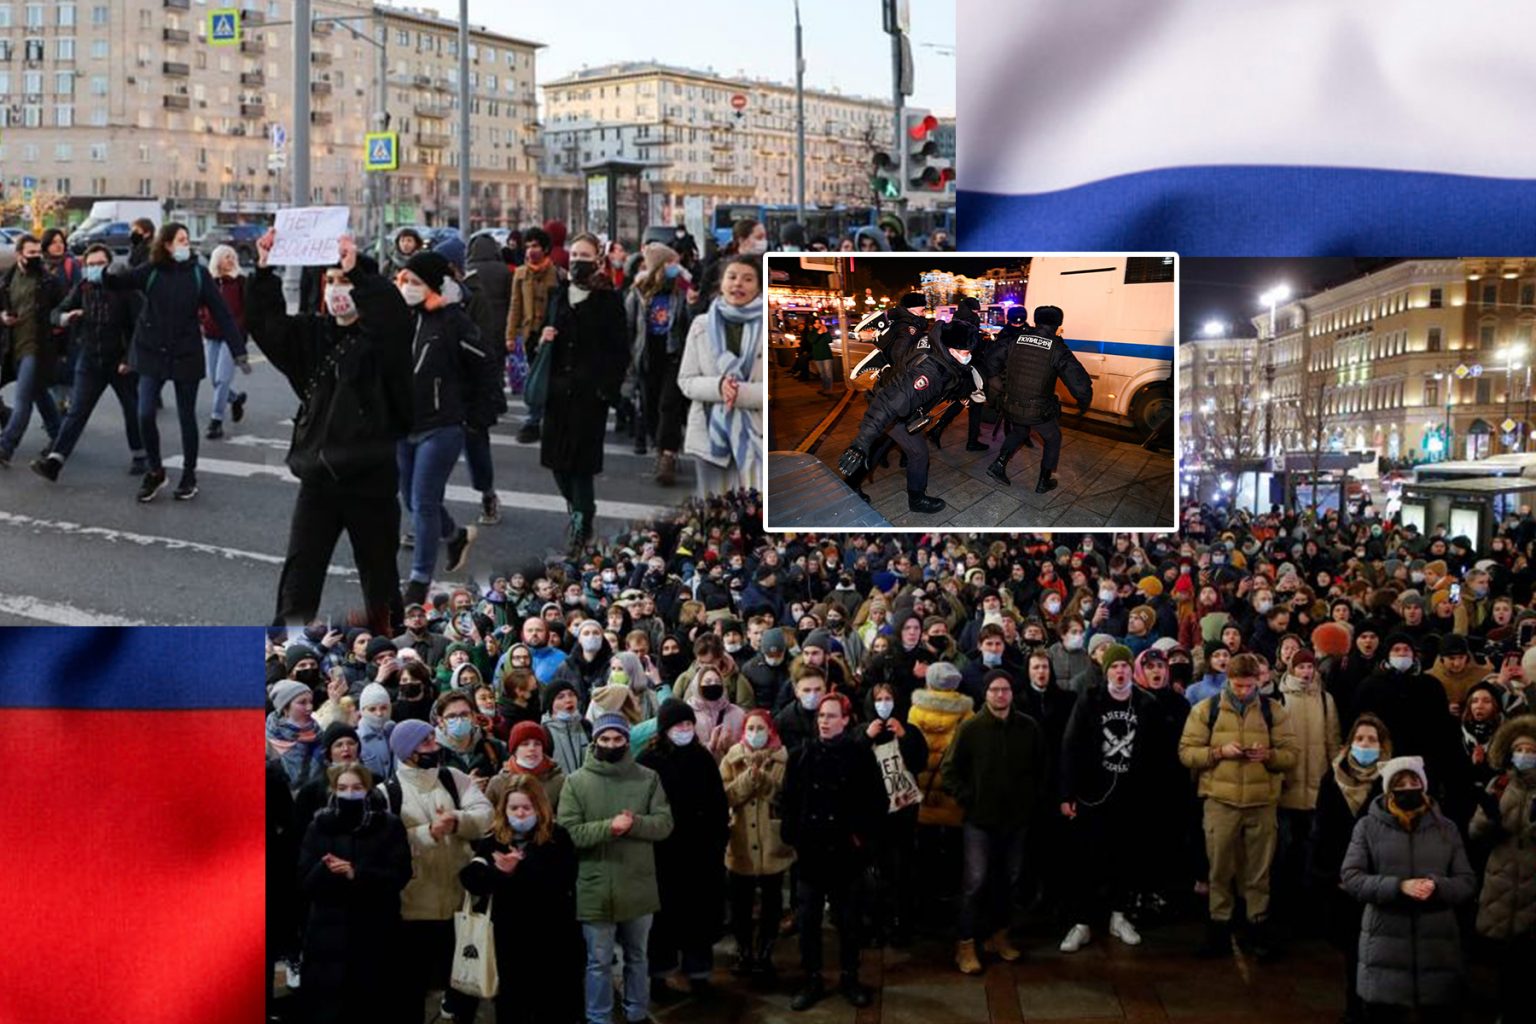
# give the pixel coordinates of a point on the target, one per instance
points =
(994, 860)
(426, 461)
(30, 390)
(824, 367)
(90, 382)
(632, 935)
(186, 412)
(477, 452)
(221, 373)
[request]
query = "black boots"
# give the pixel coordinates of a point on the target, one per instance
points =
(1046, 483)
(999, 470)
(975, 446)
(917, 501)
(936, 436)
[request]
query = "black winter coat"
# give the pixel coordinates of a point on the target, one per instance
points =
(1333, 825)
(690, 862)
(493, 281)
(455, 375)
(833, 803)
(929, 378)
(101, 336)
(1417, 713)
(353, 382)
(588, 361)
(351, 920)
(768, 681)
(168, 337)
(1051, 709)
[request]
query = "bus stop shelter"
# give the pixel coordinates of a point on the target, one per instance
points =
(1471, 507)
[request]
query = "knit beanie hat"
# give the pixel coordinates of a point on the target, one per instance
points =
(820, 639)
(1117, 653)
(373, 693)
(296, 653)
(379, 645)
(996, 673)
(336, 731)
(430, 266)
(674, 712)
(1099, 640)
(942, 676)
(610, 720)
(1150, 585)
(408, 735)
(1331, 639)
(1403, 764)
(284, 692)
(1303, 657)
(1211, 625)
(773, 640)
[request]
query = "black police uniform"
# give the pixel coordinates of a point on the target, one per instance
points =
(917, 381)
(1036, 358)
(989, 356)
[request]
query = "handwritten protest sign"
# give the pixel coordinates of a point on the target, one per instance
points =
(307, 236)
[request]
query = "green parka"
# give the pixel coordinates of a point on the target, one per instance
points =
(616, 876)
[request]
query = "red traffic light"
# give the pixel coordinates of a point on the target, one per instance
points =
(920, 130)
(946, 175)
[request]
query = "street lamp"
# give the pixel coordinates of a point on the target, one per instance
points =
(1510, 353)
(1272, 298)
(1213, 329)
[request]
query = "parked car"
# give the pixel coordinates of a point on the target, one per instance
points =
(240, 237)
(8, 237)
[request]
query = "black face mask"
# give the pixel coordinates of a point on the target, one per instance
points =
(674, 665)
(1408, 799)
(582, 270)
(611, 755)
(410, 691)
(712, 693)
(308, 676)
(429, 758)
(350, 812)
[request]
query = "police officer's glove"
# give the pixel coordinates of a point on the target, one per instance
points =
(852, 460)
(1082, 408)
(979, 397)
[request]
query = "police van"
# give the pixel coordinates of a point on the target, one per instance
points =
(1118, 314)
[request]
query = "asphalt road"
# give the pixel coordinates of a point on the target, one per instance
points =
(84, 552)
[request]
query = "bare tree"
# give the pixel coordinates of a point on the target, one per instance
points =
(1314, 423)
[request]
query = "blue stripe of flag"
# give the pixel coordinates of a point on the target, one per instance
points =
(154, 668)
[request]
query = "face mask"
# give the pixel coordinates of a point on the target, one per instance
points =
(757, 740)
(522, 826)
(617, 262)
(181, 253)
(459, 728)
(1120, 691)
(429, 759)
(1052, 607)
(672, 271)
(1416, 576)
(1479, 592)
(1401, 662)
(991, 659)
(712, 693)
(93, 274)
(1180, 671)
(591, 644)
(612, 755)
(375, 719)
(338, 302)
(413, 294)
(810, 701)
(960, 357)
(1408, 799)
(582, 270)
(1107, 596)
(1072, 641)
(565, 716)
(774, 659)
(732, 648)
(681, 736)
(1365, 756)
(1263, 606)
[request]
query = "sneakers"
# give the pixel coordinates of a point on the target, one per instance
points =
(139, 466)
(666, 468)
(529, 433)
(48, 468)
(458, 548)
(1076, 939)
(1122, 929)
(153, 484)
(490, 508)
(1000, 946)
(237, 407)
(186, 490)
(215, 430)
(966, 958)
(291, 973)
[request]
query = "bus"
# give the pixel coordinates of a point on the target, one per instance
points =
(1119, 323)
(820, 221)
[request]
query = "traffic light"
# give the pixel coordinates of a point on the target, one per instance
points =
(884, 178)
(927, 169)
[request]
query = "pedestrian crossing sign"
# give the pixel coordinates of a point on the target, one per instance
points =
(381, 151)
(224, 26)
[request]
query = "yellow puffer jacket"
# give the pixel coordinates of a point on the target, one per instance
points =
(1314, 720)
(1238, 782)
(755, 847)
(938, 714)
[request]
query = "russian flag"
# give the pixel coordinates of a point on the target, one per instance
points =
(1224, 128)
(132, 887)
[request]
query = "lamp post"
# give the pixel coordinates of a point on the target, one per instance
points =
(799, 119)
(1511, 353)
(1272, 298)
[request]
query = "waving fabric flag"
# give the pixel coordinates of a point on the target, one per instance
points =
(133, 885)
(1220, 128)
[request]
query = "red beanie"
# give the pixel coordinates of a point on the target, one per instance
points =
(1331, 639)
(528, 730)
(1303, 657)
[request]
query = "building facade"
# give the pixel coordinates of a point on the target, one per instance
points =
(128, 98)
(703, 140)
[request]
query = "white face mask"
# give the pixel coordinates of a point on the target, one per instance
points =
(1072, 641)
(1120, 691)
(810, 701)
(754, 246)
(960, 357)
(681, 735)
(338, 301)
(883, 708)
(528, 762)
(1106, 596)
(413, 294)
(732, 648)
(591, 644)
(1401, 662)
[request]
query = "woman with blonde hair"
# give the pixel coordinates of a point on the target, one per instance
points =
(721, 375)
(224, 354)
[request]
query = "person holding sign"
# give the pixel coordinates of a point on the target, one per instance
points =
(168, 346)
(349, 364)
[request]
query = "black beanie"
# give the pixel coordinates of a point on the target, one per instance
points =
(673, 712)
(957, 335)
(997, 673)
(1018, 316)
(914, 300)
(377, 646)
(333, 732)
(430, 266)
(1048, 316)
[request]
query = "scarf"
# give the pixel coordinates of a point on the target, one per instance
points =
(1408, 819)
(1354, 781)
(733, 433)
(539, 267)
(1476, 734)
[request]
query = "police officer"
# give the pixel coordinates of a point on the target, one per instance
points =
(989, 357)
(1036, 358)
(909, 389)
(896, 329)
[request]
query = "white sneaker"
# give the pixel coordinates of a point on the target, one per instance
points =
(1076, 939)
(291, 972)
(1123, 930)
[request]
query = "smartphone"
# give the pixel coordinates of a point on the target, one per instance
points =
(1527, 631)
(1455, 593)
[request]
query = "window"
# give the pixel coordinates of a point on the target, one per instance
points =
(63, 83)
(34, 15)
(66, 48)
(1436, 297)
(1431, 392)
(64, 115)
(1434, 339)
(1485, 336)
(99, 117)
(63, 152)
(5, 15)
(1484, 390)
(32, 83)
(63, 185)
(101, 14)
(100, 49)
(1528, 295)
(66, 18)
(98, 85)
(1491, 294)
(146, 187)
(34, 49)
(5, 83)
(6, 49)
(1148, 269)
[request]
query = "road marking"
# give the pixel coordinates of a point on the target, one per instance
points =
(56, 614)
(151, 540)
(527, 500)
(497, 441)
(826, 422)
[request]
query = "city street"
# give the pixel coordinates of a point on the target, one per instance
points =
(84, 552)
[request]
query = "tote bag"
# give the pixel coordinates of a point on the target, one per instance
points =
(474, 952)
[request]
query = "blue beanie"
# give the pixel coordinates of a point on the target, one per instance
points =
(612, 720)
(408, 735)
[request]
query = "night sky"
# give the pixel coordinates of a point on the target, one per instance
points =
(1229, 289)
(898, 274)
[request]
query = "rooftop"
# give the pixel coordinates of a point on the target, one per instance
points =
(636, 68)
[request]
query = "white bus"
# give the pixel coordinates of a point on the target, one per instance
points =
(1119, 323)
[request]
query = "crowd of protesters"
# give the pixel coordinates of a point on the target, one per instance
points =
(1282, 730)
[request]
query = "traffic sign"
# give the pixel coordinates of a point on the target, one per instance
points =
(277, 161)
(1477, 369)
(1462, 371)
(224, 26)
(28, 189)
(1508, 426)
(739, 101)
(279, 137)
(381, 151)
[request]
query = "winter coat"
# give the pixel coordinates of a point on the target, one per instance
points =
(996, 769)
(494, 282)
(690, 862)
(232, 291)
(833, 802)
(168, 339)
(350, 920)
(101, 335)
(1416, 712)
(756, 846)
(587, 362)
(353, 383)
(434, 893)
(1410, 951)
(585, 675)
(1238, 781)
(548, 772)
(568, 741)
(31, 337)
(530, 303)
(1333, 825)
(938, 715)
(637, 315)
(708, 715)
(616, 875)
(1314, 719)
(375, 753)
(698, 377)
(483, 757)
(1506, 820)
(455, 375)
(795, 725)
(1050, 708)
(767, 681)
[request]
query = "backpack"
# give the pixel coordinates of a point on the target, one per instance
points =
(396, 796)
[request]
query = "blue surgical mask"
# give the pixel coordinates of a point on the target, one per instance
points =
(522, 826)
(459, 728)
(991, 659)
(1365, 756)
(351, 796)
(565, 716)
(93, 274)
(1523, 761)
(757, 739)
(673, 270)
(883, 708)
(810, 701)
(181, 253)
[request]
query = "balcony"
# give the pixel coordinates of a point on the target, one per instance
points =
(178, 5)
(253, 78)
(433, 110)
(320, 117)
(433, 140)
(320, 57)
(651, 140)
(176, 68)
(252, 46)
(176, 35)
(178, 102)
(322, 28)
(252, 16)
(253, 110)
(534, 150)
(320, 88)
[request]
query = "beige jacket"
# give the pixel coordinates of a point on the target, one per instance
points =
(434, 892)
(755, 847)
(1232, 781)
(1315, 723)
